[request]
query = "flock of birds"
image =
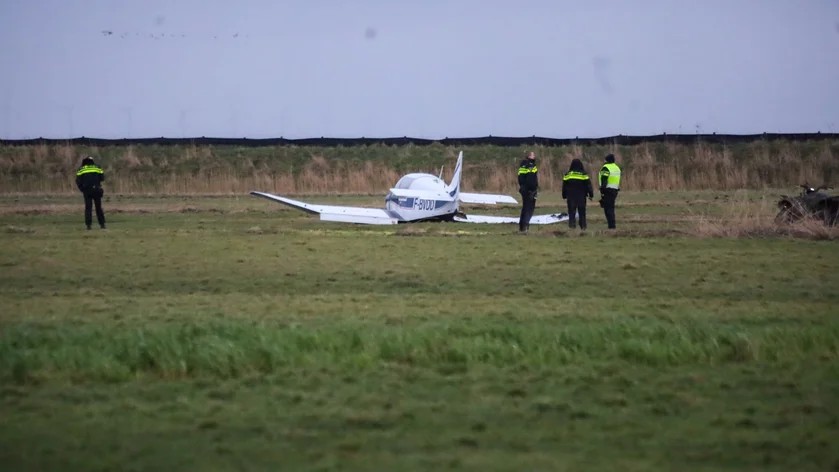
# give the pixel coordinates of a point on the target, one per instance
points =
(169, 35)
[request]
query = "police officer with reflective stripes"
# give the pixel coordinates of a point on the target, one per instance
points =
(528, 188)
(89, 180)
(610, 184)
(576, 186)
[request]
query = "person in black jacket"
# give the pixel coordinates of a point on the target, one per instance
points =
(89, 180)
(528, 188)
(576, 186)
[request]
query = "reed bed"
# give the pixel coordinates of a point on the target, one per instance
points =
(185, 170)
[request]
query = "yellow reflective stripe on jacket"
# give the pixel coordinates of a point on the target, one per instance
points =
(89, 170)
(528, 170)
(574, 175)
(613, 175)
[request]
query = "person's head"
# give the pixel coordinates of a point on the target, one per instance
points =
(531, 155)
(610, 158)
(576, 166)
(87, 161)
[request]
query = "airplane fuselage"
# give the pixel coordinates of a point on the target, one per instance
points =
(421, 197)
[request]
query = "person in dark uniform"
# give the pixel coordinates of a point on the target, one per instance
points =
(89, 180)
(576, 186)
(528, 188)
(610, 184)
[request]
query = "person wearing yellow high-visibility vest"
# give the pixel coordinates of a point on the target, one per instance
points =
(528, 188)
(610, 184)
(89, 180)
(576, 186)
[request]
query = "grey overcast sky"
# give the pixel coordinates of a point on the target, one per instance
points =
(432, 68)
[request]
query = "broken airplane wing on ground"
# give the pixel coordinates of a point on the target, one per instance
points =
(345, 214)
(535, 220)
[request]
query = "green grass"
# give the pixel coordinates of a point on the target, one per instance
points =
(233, 333)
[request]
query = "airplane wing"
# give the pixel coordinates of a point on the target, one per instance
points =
(344, 214)
(536, 220)
(485, 198)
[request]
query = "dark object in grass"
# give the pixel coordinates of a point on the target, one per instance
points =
(810, 203)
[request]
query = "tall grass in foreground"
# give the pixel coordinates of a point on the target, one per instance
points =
(176, 169)
(230, 349)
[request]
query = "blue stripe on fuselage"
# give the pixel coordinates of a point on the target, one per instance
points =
(414, 203)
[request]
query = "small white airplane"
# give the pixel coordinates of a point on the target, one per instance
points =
(417, 197)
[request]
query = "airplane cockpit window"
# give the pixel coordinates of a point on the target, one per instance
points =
(405, 182)
(419, 181)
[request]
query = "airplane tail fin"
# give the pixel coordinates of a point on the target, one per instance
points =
(454, 187)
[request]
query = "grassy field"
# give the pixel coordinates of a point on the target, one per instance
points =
(231, 333)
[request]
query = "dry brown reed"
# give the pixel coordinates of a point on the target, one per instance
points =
(42, 169)
(743, 217)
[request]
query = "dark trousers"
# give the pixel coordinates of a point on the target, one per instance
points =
(93, 197)
(576, 204)
(607, 201)
(528, 205)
